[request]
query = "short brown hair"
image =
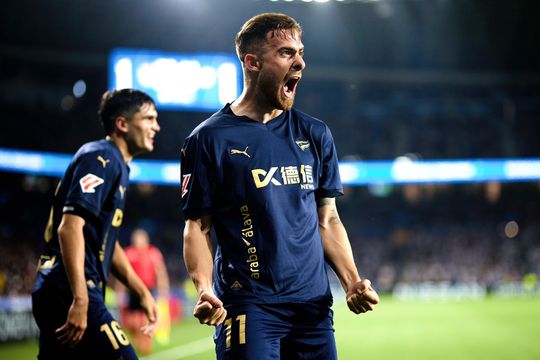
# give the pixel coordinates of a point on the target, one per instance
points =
(253, 33)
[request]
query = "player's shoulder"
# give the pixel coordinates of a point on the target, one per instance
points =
(212, 125)
(305, 117)
(103, 151)
(212, 128)
(309, 121)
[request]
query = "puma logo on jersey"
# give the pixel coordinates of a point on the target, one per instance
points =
(90, 182)
(122, 190)
(244, 152)
(302, 144)
(103, 161)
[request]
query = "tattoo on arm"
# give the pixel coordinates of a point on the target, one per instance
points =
(323, 201)
(334, 217)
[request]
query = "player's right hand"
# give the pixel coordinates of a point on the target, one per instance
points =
(209, 309)
(72, 332)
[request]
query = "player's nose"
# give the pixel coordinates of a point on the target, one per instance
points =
(299, 63)
(155, 126)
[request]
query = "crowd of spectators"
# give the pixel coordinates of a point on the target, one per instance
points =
(448, 233)
(410, 234)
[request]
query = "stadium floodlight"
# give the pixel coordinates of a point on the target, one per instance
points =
(79, 88)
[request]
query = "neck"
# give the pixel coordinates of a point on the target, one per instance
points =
(254, 108)
(253, 104)
(122, 146)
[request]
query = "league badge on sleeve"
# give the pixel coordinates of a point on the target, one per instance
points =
(185, 182)
(90, 182)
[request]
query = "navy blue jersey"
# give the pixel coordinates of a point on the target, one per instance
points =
(94, 187)
(259, 182)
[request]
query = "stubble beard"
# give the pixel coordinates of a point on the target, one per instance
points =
(272, 91)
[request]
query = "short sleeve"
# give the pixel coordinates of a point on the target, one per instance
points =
(329, 180)
(93, 176)
(198, 178)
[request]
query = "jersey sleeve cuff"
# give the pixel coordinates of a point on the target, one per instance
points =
(196, 213)
(329, 193)
(80, 208)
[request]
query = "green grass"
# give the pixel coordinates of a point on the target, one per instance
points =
(488, 329)
(494, 329)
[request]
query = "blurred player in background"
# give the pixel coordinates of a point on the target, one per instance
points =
(265, 176)
(80, 246)
(147, 262)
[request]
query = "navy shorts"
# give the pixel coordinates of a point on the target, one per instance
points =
(276, 331)
(103, 339)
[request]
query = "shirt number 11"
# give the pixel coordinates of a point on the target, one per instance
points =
(241, 330)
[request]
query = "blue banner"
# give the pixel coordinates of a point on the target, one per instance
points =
(399, 171)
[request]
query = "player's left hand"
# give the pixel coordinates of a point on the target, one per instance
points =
(361, 297)
(151, 311)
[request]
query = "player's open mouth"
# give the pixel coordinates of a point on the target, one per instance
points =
(290, 86)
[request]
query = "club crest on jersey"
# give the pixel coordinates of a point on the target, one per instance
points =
(185, 182)
(90, 182)
(302, 144)
(236, 285)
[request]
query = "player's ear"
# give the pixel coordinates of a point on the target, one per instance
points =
(121, 123)
(252, 62)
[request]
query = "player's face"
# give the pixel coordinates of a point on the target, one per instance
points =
(140, 239)
(143, 127)
(282, 65)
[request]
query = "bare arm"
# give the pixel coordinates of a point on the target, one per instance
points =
(338, 252)
(199, 260)
(71, 237)
(162, 280)
(123, 271)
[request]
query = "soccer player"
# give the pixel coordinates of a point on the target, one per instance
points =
(80, 246)
(147, 262)
(265, 176)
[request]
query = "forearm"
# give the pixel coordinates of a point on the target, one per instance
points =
(71, 238)
(198, 253)
(339, 254)
(337, 248)
(125, 273)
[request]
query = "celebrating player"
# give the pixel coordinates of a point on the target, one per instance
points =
(265, 176)
(80, 245)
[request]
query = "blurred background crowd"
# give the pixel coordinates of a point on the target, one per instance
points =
(424, 79)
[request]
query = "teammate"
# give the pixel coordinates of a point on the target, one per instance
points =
(80, 246)
(265, 176)
(147, 262)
